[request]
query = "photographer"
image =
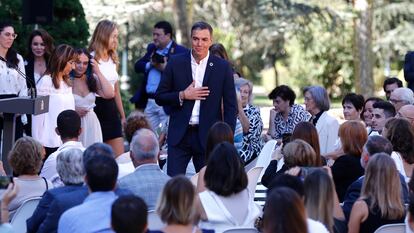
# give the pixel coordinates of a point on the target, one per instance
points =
(152, 65)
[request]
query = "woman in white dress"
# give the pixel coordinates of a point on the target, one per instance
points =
(55, 84)
(87, 81)
(109, 111)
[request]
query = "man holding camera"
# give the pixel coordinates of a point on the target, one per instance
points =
(152, 65)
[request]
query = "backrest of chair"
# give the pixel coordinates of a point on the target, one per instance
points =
(154, 221)
(241, 230)
(391, 228)
(253, 177)
(194, 179)
(266, 154)
(24, 212)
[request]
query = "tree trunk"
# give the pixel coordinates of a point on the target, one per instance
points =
(181, 22)
(363, 55)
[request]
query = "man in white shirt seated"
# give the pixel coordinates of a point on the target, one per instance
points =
(69, 129)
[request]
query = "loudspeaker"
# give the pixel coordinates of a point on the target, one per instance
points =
(37, 11)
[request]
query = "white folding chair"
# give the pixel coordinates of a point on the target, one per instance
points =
(154, 221)
(264, 157)
(391, 228)
(241, 230)
(253, 177)
(24, 212)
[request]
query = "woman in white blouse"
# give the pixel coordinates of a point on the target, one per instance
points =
(110, 111)
(11, 83)
(56, 84)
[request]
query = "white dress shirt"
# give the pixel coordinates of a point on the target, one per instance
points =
(197, 71)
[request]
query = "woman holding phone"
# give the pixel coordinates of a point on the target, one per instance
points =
(109, 110)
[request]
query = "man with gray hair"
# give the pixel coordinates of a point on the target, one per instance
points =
(147, 181)
(401, 96)
(69, 166)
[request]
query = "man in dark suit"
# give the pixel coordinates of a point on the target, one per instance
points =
(195, 85)
(409, 69)
(152, 65)
(374, 145)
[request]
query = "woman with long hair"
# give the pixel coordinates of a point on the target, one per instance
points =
(11, 82)
(347, 167)
(88, 81)
(401, 135)
(321, 200)
(226, 202)
(380, 201)
(177, 207)
(284, 212)
(110, 111)
(56, 84)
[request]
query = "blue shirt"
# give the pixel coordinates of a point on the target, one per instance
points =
(154, 75)
(93, 215)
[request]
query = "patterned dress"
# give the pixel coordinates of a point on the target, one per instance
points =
(252, 144)
(297, 114)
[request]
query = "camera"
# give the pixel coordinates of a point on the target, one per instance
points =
(157, 58)
(5, 181)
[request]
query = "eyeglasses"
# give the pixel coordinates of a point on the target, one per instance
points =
(8, 34)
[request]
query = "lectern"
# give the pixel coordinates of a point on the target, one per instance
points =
(18, 105)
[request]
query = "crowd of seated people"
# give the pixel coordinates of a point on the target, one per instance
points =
(325, 174)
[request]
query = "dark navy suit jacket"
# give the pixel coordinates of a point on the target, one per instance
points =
(354, 190)
(177, 77)
(140, 97)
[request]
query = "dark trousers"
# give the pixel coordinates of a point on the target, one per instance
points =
(180, 155)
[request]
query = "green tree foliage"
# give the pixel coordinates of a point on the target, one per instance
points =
(69, 25)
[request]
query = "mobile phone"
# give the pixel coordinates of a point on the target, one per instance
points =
(5, 181)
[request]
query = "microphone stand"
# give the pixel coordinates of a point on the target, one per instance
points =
(33, 90)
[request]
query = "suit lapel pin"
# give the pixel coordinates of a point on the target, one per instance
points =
(211, 64)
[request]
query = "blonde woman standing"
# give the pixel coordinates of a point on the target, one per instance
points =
(110, 111)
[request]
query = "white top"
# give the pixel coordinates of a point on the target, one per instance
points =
(327, 128)
(43, 125)
(11, 82)
(219, 217)
(197, 72)
(125, 165)
(315, 226)
(400, 165)
(49, 167)
(108, 69)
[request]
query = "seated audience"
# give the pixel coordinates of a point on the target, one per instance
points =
(219, 132)
(94, 214)
(381, 112)
(25, 159)
(69, 166)
(147, 181)
(380, 202)
(69, 129)
(317, 104)
(367, 113)
(226, 203)
(390, 84)
(129, 215)
(375, 144)
(295, 153)
(249, 117)
(321, 201)
(407, 112)
(136, 120)
(295, 183)
(177, 207)
(76, 197)
(286, 114)
(347, 167)
(352, 105)
(401, 96)
(307, 132)
(401, 135)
